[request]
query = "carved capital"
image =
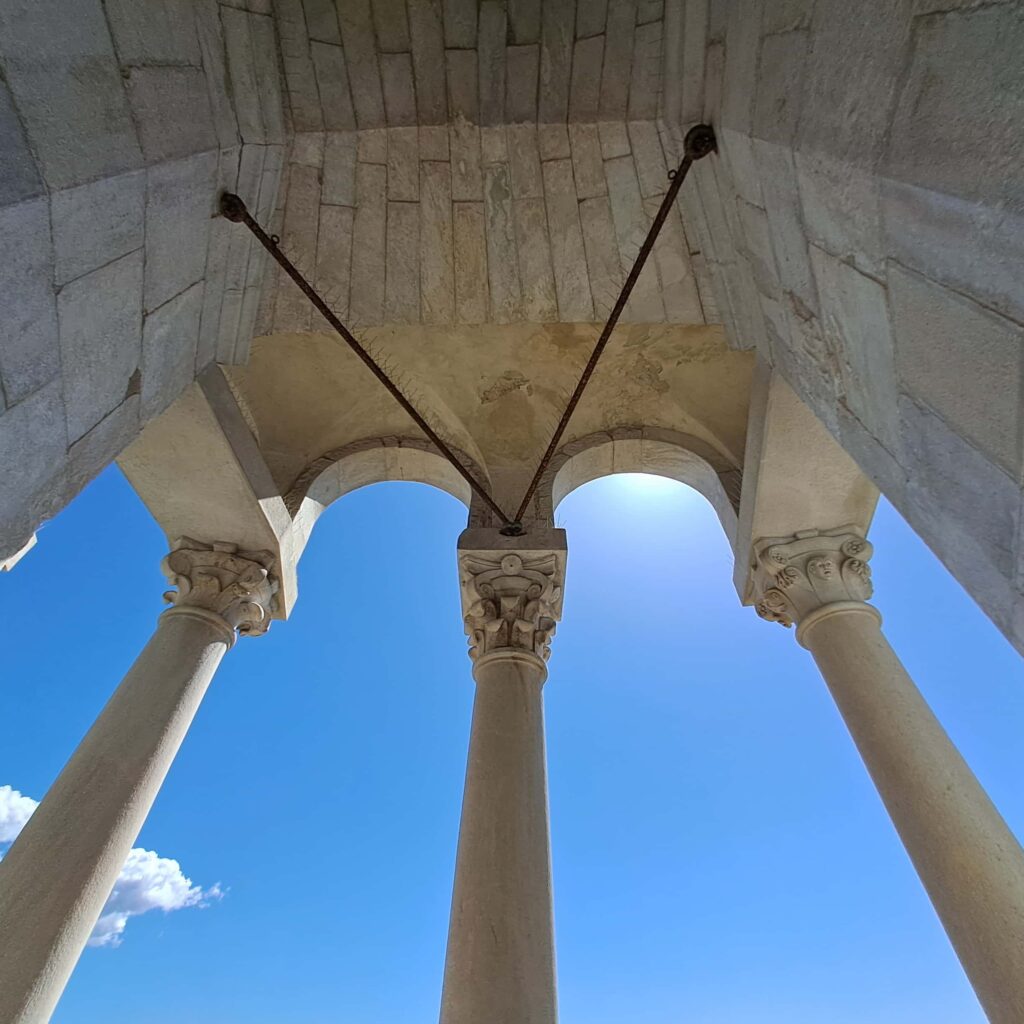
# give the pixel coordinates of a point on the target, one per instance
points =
(219, 581)
(796, 576)
(511, 595)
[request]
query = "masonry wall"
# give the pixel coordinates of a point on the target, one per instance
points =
(864, 229)
(119, 124)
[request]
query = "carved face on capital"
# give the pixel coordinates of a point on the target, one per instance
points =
(823, 568)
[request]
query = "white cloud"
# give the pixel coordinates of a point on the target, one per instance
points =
(147, 881)
(15, 810)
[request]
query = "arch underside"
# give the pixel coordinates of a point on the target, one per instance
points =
(666, 399)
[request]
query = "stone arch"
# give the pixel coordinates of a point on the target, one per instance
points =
(659, 452)
(369, 461)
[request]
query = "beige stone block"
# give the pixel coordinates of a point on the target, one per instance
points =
(78, 122)
(96, 223)
(169, 337)
(587, 165)
(402, 291)
(427, 30)
(180, 203)
(19, 178)
(856, 322)
(172, 110)
(100, 330)
(521, 64)
(471, 300)
(29, 352)
(965, 362)
(502, 264)
(436, 241)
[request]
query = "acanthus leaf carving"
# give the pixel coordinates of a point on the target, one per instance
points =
(237, 586)
(511, 600)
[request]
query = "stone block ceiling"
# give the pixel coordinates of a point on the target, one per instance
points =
(364, 64)
(465, 162)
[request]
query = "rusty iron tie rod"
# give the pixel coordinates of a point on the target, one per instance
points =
(699, 142)
(232, 207)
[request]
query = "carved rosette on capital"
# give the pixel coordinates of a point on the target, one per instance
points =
(233, 588)
(797, 578)
(511, 601)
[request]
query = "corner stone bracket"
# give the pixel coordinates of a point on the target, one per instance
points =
(798, 575)
(218, 580)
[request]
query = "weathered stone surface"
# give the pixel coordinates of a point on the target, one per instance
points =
(97, 449)
(436, 244)
(297, 56)
(467, 178)
(618, 58)
(568, 255)
(856, 323)
(603, 265)
(399, 93)
(553, 140)
(333, 86)
(522, 65)
(392, 25)
(153, 33)
(471, 289)
(556, 45)
(29, 354)
(494, 145)
(501, 245)
(172, 110)
(97, 223)
(524, 162)
(334, 257)
(645, 73)
(539, 303)
(360, 52)
(366, 304)
(463, 86)
(169, 337)
(587, 165)
(100, 340)
(614, 139)
(78, 121)
(491, 61)
(631, 226)
(19, 178)
(339, 177)
(179, 204)
(966, 363)
(402, 291)
(33, 437)
(945, 477)
(427, 30)
(460, 23)
(403, 164)
(585, 86)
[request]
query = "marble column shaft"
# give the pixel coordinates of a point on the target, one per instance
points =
(59, 872)
(969, 861)
(500, 961)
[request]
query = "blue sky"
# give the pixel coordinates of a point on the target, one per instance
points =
(720, 855)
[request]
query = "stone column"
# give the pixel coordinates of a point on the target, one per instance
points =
(61, 869)
(500, 963)
(970, 863)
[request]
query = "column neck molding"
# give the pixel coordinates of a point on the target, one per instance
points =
(511, 597)
(232, 589)
(811, 575)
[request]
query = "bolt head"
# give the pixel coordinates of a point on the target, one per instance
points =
(232, 207)
(700, 140)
